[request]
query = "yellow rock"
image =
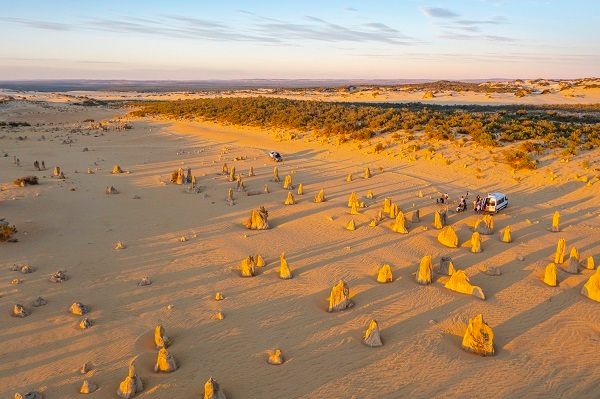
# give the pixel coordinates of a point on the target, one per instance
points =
(550, 275)
(353, 200)
(370, 194)
(56, 171)
(116, 170)
(131, 385)
(399, 225)
(351, 225)
(475, 243)
(225, 169)
(506, 236)
(212, 390)
(266, 189)
(275, 174)
(349, 177)
(219, 316)
(258, 219)
(284, 270)
(78, 309)
(425, 271)
(320, 197)
(231, 174)
(160, 340)
(119, 245)
(300, 189)
(556, 222)
(287, 183)
(459, 282)
(387, 204)
(485, 225)
(289, 200)
(572, 265)
(259, 261)
(247, 267)
(367, 173)
(561, 249)
(448, 237)
(591, 289)
(589, 263)
(87, 387)
(420, 194)
(385, 274)
(479, 337)
(219, 296)
(373, 223)
(165, 362)
(372, 337)
(438, 222)
(275, 357)
(339, 298)
(393, 211)
(446, 266)
(251, 172)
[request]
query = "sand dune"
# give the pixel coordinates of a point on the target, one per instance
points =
(545, 337)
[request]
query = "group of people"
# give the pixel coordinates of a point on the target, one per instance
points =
(478, 202)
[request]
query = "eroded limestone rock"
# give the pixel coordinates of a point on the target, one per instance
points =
(275, 357)
(258, 219)
(87, 387)
(385, 274)
(284, 270)
(399, 225)
(372, 337)
(78, 309)
(506, 235)
(131, 385)
(446, 266)
(160, 339)
(550, 274)
(165, 362)
(212, 390)
(485, 225)
(591, 289)
(479, 337)
(20, 311)
(448, 237)
(339, 298)
(424, 276)
(555, 222)
(561, 249)
(320, 197)
(459, 282)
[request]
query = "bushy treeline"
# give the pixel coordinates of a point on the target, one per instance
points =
(486, 126)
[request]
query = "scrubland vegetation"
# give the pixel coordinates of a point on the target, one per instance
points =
(557, 127)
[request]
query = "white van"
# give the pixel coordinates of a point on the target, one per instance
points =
(495, 202)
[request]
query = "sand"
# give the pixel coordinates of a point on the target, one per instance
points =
(544, 336)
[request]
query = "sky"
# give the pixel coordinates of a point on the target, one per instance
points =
(304, 39)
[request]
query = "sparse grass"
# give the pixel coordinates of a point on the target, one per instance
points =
(6, 231)
(519, 159)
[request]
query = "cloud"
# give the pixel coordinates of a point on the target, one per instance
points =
(351, 9)
(439, 12)
(45, 25)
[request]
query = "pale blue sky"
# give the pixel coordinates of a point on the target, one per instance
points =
(130, 39)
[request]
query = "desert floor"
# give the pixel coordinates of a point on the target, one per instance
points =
(547, 339)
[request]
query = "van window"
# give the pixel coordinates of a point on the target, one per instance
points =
(492, 202)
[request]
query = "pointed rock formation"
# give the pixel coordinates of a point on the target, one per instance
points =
(373, 223)
(385, 274)
(266, 189)
(371, 337)
(479, 337)
(58, 277)
(56, 172)
(179, 176)
(231, 174)
(446, 266)
(414, 216)
(219, 316)
(354, 209)
(459, 282)
(258, 219)
(387, 204)
(219, 296)
(247, 267)
(485, 225)
(300, 189)
(399, 225)
(572, 265)
(506, 236)
(591, 289)
(20, 311)
(353, 200)
(239, 184)
(275, 357)
(225, 169)
(188, 176)
(438, 220)
(251, 172)
(320, 197)
(78, 309)
(119, 245)
(29, 395)
(589, 263)
(284, 270)
(367, 173)
(394, 210)
(276, 174)
(160, 339)
(349, 177)
(351, 225)
(475, 243)
(424, 271)
(131, 385)
(39, 301)
(561, 249)
(212, 390)
(116, 170)
(259, 261)
(289, 200)
(339, 298)
(555, 222)
(287, 183)
(448, 237)
(370, 194)
(87, 387)
(111, 190)
(550, 274)
(144, 281)
(165, 362)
